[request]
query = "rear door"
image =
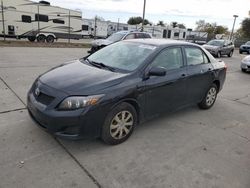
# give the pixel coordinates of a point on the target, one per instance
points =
(199, 74)
(166, 93)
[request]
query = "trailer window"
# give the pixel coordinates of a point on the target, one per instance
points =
(41, 18)
(176, 34)
(85, 27)
(58, 21)
(26, 19)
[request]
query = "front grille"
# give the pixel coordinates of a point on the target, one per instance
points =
(246, 48)
(44, 99)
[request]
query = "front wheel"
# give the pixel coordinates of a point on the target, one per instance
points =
(210, 97)
(231, 53)
(218, 54)
(119, 124)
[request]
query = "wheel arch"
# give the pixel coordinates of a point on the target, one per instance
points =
(134, 103)
(217, 83)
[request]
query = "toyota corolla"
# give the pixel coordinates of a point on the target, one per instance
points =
(110, 92)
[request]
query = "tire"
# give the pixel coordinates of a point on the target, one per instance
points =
(115, 130)
(32, 38)
(41, 38)
(218, 55)
(210, 97)
(230, 54)
(240, 52)
(50, 39)
(243, 70)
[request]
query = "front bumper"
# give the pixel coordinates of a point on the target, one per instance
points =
(213, 52)
(77, 124)
(245, 66)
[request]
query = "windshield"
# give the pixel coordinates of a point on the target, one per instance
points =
(123, 55)
(116, 37)
(248, 43)
(216, 42)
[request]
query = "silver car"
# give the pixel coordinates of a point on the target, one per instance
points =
(245, 64)
(219, 47)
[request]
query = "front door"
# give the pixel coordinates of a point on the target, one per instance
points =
(166, 93)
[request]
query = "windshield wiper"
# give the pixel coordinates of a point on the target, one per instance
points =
(100, 65)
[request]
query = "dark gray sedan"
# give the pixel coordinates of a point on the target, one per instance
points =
(110, 92)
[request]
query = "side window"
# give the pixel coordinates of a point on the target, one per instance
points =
(130, 36)
(147, 36)
(58, 21)
(139, 35)
(170, 58)
(41, 18)
(195, 56)
(26, 19)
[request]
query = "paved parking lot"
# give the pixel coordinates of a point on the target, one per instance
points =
(190, 148)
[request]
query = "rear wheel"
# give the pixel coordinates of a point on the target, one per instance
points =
(119, 124)
(210, 97)
(230, 54)
(50, 39)
(243, 70)
(41, 38)
(31, 38)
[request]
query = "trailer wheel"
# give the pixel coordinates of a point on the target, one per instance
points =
(50, 39)
(31, 38)
(41, 38)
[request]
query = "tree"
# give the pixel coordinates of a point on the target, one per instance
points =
(181, 26)
(99, 18)
(211, 28)
(174, 24)
(161, 23)
(137, 20)
(245, 27)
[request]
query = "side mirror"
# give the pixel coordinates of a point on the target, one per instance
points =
(157, 71)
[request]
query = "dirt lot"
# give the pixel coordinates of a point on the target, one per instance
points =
(188, 149)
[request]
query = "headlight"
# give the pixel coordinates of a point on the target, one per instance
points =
(246, 59)
(77, 102)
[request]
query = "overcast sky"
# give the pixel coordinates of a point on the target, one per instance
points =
(182, 11)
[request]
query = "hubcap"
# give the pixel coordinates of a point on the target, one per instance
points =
(211, 95)
(121, 125)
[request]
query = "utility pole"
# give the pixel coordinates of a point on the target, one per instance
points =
(95, 27)
(235, 16)
(118, 24)
(143, 17)
(38, 18)
(3, 21)
(69, 28)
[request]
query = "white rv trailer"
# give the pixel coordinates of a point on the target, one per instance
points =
(39, 20)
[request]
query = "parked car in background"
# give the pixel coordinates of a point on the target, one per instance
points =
(245, 64)
(118, 36)
(109, 92)
(219, 47)
(245, 48)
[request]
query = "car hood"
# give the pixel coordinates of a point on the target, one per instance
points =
(102, 42)
(78, 78)
(244, 45)
(210, 47)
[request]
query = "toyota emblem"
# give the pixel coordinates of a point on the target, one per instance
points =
(37, 92)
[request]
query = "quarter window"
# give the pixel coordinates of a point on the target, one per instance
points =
(170, 58)
(26, 19)
(195, 56)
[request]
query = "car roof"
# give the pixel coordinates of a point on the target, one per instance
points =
(126, 32)
(161, 42)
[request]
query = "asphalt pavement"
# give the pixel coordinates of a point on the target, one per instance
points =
(191, 148)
